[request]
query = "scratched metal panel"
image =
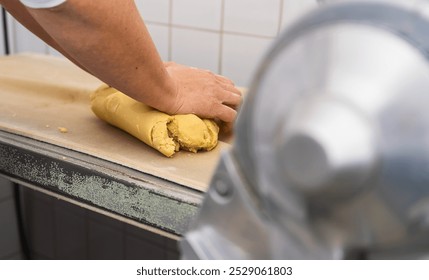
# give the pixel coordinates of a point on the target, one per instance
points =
(120, 190)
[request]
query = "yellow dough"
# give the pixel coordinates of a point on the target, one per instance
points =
(167, 134)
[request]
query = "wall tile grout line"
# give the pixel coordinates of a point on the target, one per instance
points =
(222, 26)
(214, 31)
(170, 30)
(157, 23)
(186, 27)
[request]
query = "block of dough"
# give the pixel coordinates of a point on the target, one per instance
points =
(167, 134)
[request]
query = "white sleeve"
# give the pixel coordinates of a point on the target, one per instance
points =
(39, 4)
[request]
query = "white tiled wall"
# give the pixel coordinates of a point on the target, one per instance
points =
(197, 14)
(154, 10)
(241, 55)
(228, 37)
(25, 41)
(161, 36)
(253, 17)
(294, 9)
(205, 46)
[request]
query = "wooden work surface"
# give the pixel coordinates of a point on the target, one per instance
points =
(39, 94)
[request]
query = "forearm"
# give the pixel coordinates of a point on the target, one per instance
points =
(122, 54)
(109, 39)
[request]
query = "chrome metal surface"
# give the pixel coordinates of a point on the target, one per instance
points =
(332, 149)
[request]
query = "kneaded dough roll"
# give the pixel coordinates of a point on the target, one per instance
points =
(167, 134)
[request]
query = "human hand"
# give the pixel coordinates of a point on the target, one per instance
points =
(203, 93)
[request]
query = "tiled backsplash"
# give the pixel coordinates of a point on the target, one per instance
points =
(228, 37)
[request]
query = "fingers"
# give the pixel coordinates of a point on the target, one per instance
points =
(225, 113)
(231, 88)
(227, 84)
(231, 99)
(223, 79)
(204, 93)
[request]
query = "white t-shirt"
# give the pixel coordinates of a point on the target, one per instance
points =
(39, 4)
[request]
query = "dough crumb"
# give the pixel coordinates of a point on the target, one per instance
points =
(63, 129)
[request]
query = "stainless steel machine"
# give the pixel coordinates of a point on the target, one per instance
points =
(331, 156)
